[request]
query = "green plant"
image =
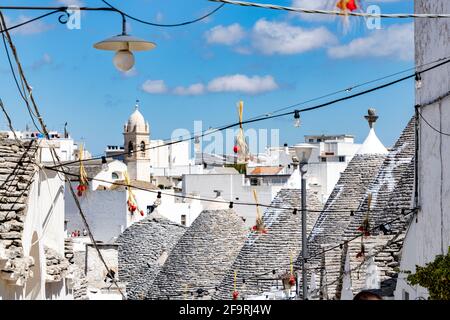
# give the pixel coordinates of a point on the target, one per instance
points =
(435, 277)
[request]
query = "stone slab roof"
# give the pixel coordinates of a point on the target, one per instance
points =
(17, 171)
(201, 258)
(346, 195)
(143, 248)
(391, 190)
(263, 253)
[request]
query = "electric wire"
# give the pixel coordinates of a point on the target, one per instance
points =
(297, 209)
(56, 157)
(161, 24)
(319, 106)
(336, 12)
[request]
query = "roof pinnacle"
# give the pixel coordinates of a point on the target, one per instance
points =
(371, 117)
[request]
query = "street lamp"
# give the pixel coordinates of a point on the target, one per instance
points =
(124, 45)
(303, 152)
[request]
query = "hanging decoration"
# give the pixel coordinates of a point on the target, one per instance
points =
(364, 228)
(83, 179)
(292, 277)
(235, 292)
(347, 5)
(131, 202)
(259, 226)
(240, 147)
(288, 277)
(362, 253)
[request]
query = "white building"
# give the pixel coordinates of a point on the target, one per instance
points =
(328, 161)
(32, 257)
(64, 145)
(234, 187)
(429, 233)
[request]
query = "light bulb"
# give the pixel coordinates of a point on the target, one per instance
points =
(297, 121)
(123, 60)
(418, 81)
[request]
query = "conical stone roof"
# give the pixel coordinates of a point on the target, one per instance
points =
(201, 257)
(263, 253)
(143, 248)
(390, 182)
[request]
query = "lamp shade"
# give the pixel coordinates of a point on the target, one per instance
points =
(125, 42)
(303, 151)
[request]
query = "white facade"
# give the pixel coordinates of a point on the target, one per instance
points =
(43, 226)
(430, 235)
(327, 161)
(65, 147)
(107, 210)
(233, 187)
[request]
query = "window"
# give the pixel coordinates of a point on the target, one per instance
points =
(311, 140)
(253, 181)
(183, 220)
(323, 159)
(341, 158)
(142, 146)
(114, 176)
(130, 148)
(319, 140)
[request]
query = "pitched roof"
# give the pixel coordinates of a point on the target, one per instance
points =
(346, 195)
(263, 253)
(391, 189)
(17, 171)
(142, 248)
(266, 170)
(372, 145)
(202, 256)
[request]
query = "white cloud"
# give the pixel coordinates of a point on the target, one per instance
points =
(315, 5)
(396, 41)
(192, 90)
(228, 83)
(242, 83)
(283, 38)
(227, 35)
(34, 27)
(159, 17)
(45, 60)
(154, 86)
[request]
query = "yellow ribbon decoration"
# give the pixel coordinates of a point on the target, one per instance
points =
(291, 264)
(131, 198)
(83, 174)
(241, 112)
(255, 196)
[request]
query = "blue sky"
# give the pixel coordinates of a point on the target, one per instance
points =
(269, 59)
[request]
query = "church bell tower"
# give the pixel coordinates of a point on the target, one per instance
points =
(136, 135)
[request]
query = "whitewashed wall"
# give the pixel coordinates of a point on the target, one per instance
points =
(430, 236)
(43, 226)
(233, 189)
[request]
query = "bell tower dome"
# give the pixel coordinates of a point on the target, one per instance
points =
(136, 135)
